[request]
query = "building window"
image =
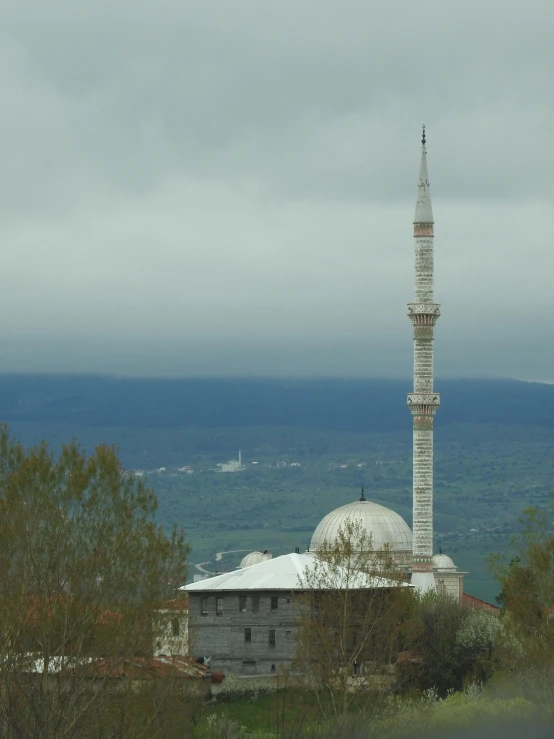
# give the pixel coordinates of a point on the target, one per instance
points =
(274, 603)
(272, 638)
(219, 606)
(242, 603)
(203, 606)
(289, 634)
(315, 602)
(255, 603)
(175, 627)
(248, 636)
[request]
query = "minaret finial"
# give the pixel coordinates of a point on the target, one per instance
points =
(362, 496)
(423, 135)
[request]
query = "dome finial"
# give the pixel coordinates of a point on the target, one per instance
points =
(423, 135)
(362, 496)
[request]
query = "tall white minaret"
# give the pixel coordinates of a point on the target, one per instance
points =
(423, 402)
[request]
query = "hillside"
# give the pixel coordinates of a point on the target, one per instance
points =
(493, 453)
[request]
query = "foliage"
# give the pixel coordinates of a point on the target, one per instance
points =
(352, 618)
(451, 645)
(473, 711)
(528, 597)
(85, 570)
(439, 717)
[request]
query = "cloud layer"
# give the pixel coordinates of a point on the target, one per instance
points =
(228, 187)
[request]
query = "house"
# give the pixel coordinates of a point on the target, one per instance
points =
(245, 621)
(171, 630)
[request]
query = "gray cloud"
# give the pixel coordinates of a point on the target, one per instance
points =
(228, 187)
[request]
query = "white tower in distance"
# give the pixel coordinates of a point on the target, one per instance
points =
(423, 402)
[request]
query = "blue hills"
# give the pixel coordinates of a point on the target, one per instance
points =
(373, 405)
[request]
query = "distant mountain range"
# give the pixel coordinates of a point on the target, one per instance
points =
(345, 405)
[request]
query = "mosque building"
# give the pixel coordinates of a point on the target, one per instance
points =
(236, 597)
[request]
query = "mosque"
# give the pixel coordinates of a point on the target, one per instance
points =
(244, 617)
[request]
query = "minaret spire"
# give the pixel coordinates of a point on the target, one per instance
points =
(423, 401)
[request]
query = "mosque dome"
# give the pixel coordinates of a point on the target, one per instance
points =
(442, 562)
(254, 558)
(385, 527)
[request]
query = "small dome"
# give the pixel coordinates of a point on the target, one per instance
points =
(254, 558)
(443, 562)
(385, 527)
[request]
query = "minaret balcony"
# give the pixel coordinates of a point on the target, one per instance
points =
(423, 229)
(415, 309)
(423, 404)
(424, 314)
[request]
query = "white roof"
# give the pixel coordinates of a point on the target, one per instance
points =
(254, 558)
(385, 527)
(281, 573)
(423, 210)
(443, 562)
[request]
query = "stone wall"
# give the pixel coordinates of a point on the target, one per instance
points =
(450, 584)
(221, 636)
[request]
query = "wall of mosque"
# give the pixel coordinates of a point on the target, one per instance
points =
(450, 584)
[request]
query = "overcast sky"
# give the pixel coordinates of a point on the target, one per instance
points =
(227, 186)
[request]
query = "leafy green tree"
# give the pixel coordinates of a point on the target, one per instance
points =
(353, 614)
(437, 621)
(451, 645)
(527, 595)
(85, 570)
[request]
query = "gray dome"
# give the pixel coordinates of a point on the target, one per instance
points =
(254, 558)
(443, 562)
(385, 527)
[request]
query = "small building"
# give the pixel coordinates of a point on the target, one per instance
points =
(172, 638)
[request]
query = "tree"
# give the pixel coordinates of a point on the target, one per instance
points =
(84, 569)
(353, 609)
(527, 581)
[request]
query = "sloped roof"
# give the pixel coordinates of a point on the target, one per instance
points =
(142, 668)
(284, 573)
(180, 603)
(471, 600)
(148, 668)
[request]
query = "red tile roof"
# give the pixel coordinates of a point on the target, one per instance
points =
(148, 668)
(471, 600)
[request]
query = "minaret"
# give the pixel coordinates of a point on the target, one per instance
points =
(423, 402)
